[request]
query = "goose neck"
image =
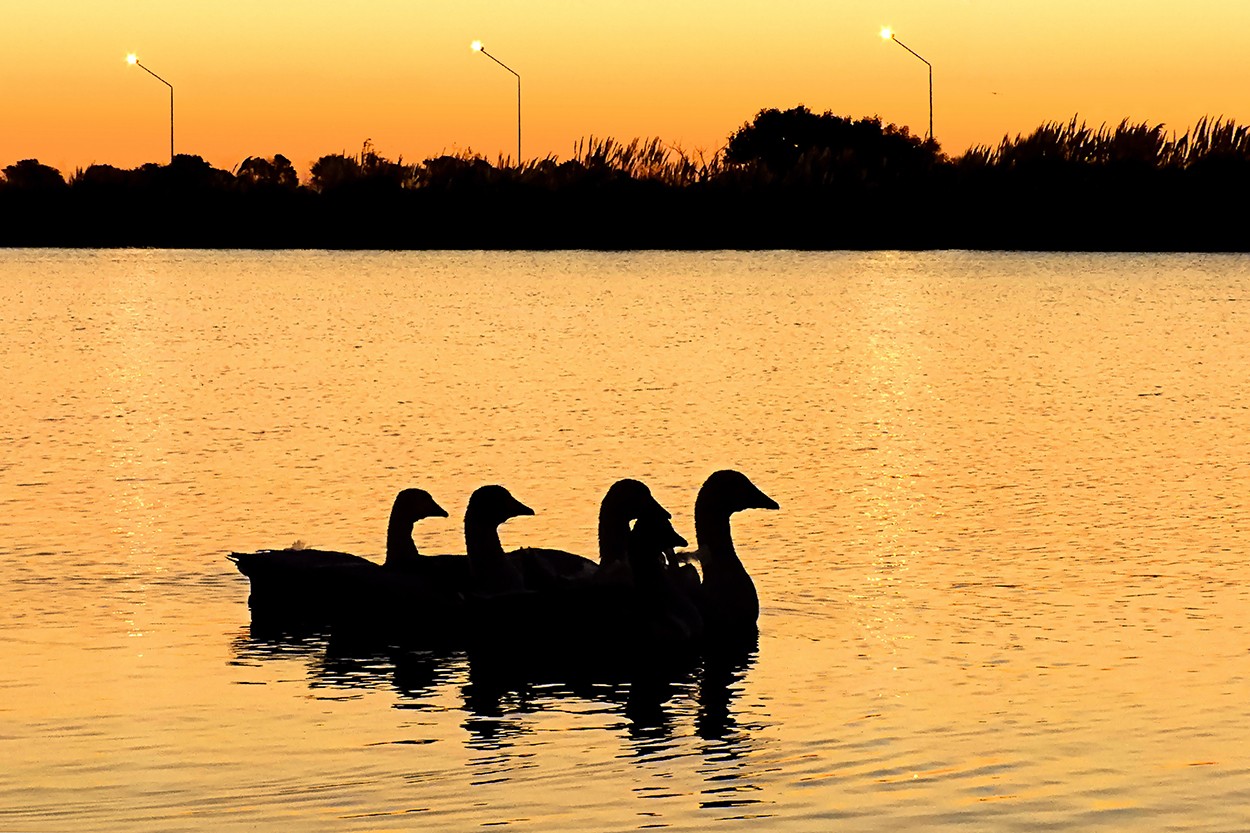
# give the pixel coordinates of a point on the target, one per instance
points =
(399, 544)
(493, 572)
(716, 546)
(613, 534)
(481, 542)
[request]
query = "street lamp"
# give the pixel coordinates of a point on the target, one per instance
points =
(133, 60)
(888, 34)
(476, 46)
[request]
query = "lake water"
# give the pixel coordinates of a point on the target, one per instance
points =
(1007, 588)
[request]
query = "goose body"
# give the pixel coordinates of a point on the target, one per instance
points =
(421, 600)
(593, 626)
(665, 616)
(626, 501)
(308, 585)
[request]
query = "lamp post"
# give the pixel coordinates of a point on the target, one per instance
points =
(476, 46)
(888, 34)
(133, 60)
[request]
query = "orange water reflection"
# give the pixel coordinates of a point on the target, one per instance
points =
(1005, 585)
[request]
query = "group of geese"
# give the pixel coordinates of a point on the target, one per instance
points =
(641, 592)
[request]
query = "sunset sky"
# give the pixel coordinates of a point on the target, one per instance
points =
(310, 77)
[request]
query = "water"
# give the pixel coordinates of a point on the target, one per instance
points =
(1006, 589)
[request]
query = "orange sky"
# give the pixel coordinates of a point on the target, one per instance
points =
(309, 77)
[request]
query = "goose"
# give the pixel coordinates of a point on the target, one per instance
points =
(727, 598)
(491, 571)
(304, 584)
(626, 501)
(421, 600)
(665, 615)
(590, 626)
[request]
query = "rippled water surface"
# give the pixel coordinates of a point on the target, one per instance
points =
(1007, 588)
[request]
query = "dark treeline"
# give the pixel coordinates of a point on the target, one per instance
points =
(787, 179)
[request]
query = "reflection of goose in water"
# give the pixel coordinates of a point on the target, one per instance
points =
(307, 584)
(725, 666)
(659, 701)
(727, 596)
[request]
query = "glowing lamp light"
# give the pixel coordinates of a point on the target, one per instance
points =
(476, 46)
(887, 33)
(132, 59)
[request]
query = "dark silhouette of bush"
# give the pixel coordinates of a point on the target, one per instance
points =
(187, 173)
(792, 178)
(103, 178)
(799, 147)
(369, 173)
(31, 175)
(257, 172)
(457, 173)
(333, 171)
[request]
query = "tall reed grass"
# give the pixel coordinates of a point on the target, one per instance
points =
(1133, 143)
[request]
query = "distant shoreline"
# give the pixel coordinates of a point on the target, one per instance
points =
(688, 221)
(787, 180)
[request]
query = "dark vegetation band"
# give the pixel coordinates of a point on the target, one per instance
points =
(787, 179)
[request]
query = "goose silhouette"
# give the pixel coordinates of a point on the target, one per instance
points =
(422, 604)
(626, 501)
(307, 584)
(726, 596)
(592, 625)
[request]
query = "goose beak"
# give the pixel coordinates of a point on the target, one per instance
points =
(655, 510)
(763, 501)
(670, 548)
(437, 511)
(518, 509)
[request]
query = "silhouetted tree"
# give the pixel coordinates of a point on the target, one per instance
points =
(102, 177)
(381, 171)
(258, 172)
(799, 146)
(31, 175)
(368, 173)
(333, 171)
(188, 172)
(448, 173)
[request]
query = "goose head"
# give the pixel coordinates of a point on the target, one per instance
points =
(652, 543)
(415, 504)
(655, 534)
(630, 499)
(490, 506)
(728, 491)
(411, 505)
(627, 500)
